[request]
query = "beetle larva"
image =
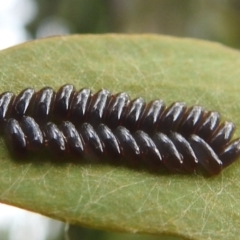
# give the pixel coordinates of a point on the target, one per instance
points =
(172, 151)
(81, 106)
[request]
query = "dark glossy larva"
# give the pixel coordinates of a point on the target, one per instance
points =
(81, 106)
(171, 151)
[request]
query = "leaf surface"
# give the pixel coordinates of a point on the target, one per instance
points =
(118, 198)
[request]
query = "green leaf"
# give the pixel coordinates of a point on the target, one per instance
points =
(118, 198)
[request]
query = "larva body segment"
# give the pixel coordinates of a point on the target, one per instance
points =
(5, 103)
(129, 148)
(33, 134)
(190, 120)
(79, 106)
(151, 115)
(170, 155)
(171, 117)
(54, 140)
(115, 109)
(61, 106)
(97, 107)
(110, 142)
(15, 138)
(222, 136)
(185, 150)
(230, 153)
(148, 150)
(132, 114)
(206, 128)
(75, 144)
(205, 155)
(21, 103)
(42, 105)
(94, 145)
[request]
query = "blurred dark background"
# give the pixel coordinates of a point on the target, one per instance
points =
(215, 20)
(212, 20)
(22, 20)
